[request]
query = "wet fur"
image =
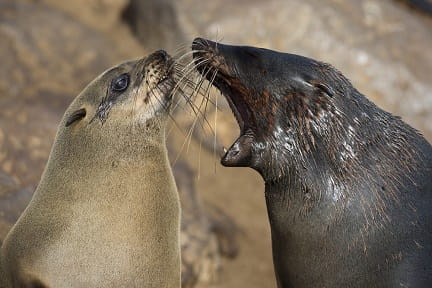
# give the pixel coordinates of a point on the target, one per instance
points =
(348, 185)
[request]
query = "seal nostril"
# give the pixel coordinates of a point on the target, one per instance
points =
(200, 44)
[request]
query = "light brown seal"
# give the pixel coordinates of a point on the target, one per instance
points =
(106, 211)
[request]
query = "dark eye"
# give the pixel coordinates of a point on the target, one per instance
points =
(120, 83)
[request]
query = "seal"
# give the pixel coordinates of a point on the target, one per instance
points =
(106, 211)
(348, 186)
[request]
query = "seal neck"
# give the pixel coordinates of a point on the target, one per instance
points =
(93, 152)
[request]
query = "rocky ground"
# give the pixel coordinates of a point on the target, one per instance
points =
(51, 49)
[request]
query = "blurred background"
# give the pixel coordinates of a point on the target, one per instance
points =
(50, 50)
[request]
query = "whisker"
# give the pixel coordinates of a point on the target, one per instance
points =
(177, 59)
(195, 92)
(191, 129)
(190, 85)
(203, 79)
(187, 73)
(215, 134)
(164, 104)
(200, 106)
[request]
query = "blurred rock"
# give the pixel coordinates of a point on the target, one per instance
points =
(154, 23)
(13, 200)
(46, 63)
(207, 234)
(103, 17)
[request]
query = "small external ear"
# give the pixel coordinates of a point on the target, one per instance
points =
(75, 116)
(315, 83)
(324, 88)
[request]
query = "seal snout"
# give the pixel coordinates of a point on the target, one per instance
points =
(200, 44)
(159, 60)
(204, 52)
(159, 71)
(160, 55)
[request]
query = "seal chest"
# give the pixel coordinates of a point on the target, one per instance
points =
(348, 186)
(106, 211)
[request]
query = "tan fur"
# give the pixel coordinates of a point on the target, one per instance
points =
(106, 211)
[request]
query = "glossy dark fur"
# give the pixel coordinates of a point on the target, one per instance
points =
(348, 185)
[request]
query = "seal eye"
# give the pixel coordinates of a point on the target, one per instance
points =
(120, 83)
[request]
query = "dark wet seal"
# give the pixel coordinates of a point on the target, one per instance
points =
(348, 185)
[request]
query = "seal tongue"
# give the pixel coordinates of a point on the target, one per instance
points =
(239, 154)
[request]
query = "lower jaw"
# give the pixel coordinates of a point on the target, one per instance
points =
(240, 152)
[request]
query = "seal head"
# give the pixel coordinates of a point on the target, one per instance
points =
(272, 95)
(151, 78)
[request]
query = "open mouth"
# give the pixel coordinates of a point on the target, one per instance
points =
(235, 92)
(230, 86)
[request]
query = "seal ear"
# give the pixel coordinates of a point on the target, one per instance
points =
(324, 88)
(75, 116)
(317, 84)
